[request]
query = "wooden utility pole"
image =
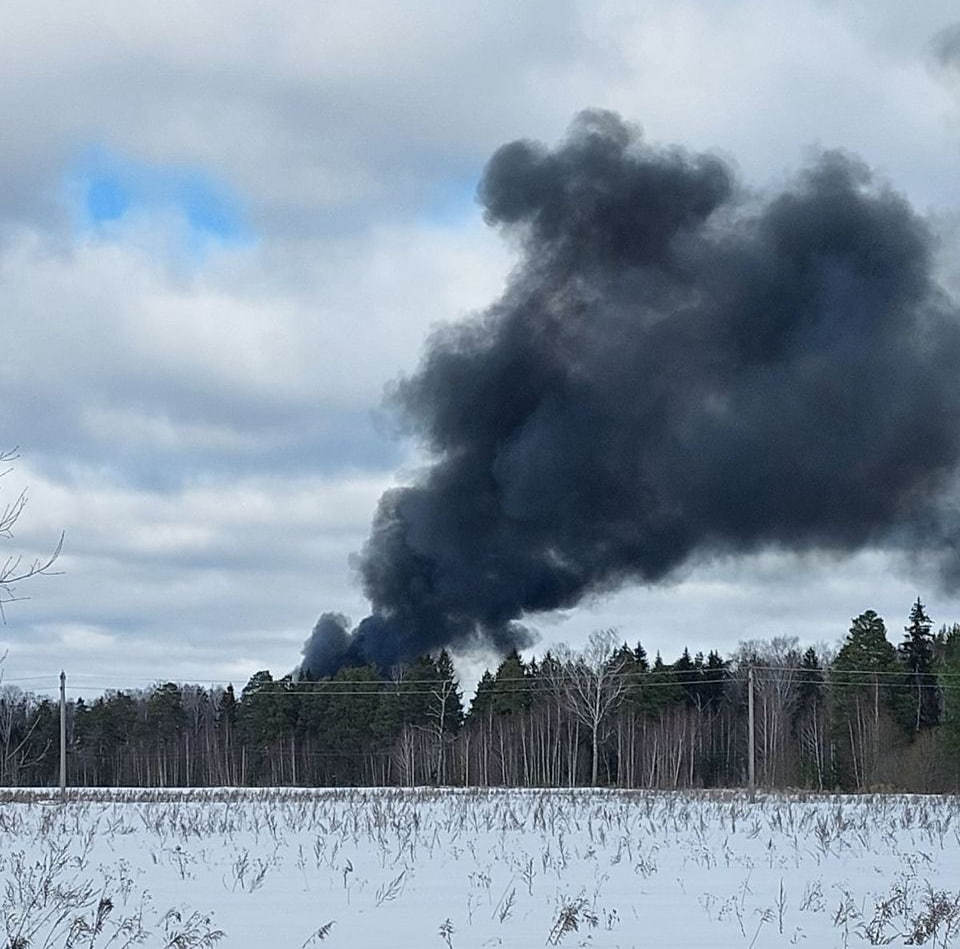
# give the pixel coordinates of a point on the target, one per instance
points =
(751, 761)
(63, 735)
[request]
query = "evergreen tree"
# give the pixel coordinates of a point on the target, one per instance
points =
(948, 669)
(483, 698)
(260, 722)
(714, 675)
(811, 680)
(808, 720)
(352, 720)
(260, 715)
(226, 727)
(866, 646)
(863, 680)
(447, 695)
(917, 654)
(633, 666)
(640, 657)
(660, 689)
(511, 685)
(687, 675)
(165, 719)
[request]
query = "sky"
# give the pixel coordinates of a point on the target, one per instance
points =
(227, 229)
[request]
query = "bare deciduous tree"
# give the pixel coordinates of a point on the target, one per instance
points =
(590, 684)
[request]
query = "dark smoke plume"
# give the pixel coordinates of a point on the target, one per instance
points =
(676, 369)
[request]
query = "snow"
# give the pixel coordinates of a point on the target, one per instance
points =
(477, 868)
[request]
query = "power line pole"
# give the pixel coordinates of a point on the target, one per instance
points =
(63, 735)
(751, 761)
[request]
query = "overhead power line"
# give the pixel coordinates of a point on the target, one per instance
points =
(383, 689)
(649, 678)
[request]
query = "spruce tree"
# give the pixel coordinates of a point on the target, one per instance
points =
(811, 682)
(686, 676)
(948, 669)
(716, 672)
(917, 654)
(511, 686)
(863, 680)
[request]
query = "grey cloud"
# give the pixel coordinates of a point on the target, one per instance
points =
(212, 576)
(946, 46)
(324, 118)
(341, 128)
(313, 114)
(117, 366)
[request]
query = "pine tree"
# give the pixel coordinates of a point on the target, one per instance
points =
(165, 719)
(483, 698)
(660, 689)
(448, 694)
(811, 682)
(948, 669)
(917, 654)
(511, 686)
(712, 680)
(226, 725)
(862, 681)
(633, 664)
(686, 676)
(640, 657)
(807, 724)
(352, 719)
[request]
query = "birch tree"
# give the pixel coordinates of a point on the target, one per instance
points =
(590, 684)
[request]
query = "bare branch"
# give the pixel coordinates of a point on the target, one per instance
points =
(13, 570)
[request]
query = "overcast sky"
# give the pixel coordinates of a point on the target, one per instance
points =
(225, 228)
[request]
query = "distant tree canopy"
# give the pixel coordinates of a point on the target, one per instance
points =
(873, 715)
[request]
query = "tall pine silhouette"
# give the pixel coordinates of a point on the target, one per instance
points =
(917, 654)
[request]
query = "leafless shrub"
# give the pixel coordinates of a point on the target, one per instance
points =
(939, 919)
(846, 915)
(318, 935)
(390, 891)
(765, 916)
(812, 900)
(193, 931)
(572, 912)
(51, 901)
(505, 906)
(877, 930)
(527, 874)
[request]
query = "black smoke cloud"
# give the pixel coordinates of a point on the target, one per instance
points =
(677, 369)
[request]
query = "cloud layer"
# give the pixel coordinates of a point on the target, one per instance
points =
(152, 359)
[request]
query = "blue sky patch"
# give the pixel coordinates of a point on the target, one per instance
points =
(452, 200)
(107, 199)
(109, 187)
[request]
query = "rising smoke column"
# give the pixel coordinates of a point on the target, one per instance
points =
(676, 369)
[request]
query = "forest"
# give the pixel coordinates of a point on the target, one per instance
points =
(872, 715)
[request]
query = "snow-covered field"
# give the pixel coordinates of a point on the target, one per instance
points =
(423, 867)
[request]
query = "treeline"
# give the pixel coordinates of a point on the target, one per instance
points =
(872, 715)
